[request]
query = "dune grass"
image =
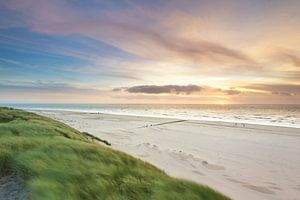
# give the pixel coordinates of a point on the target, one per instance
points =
(59, 162)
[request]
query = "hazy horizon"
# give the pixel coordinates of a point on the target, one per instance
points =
(150, 52)
(217, 104)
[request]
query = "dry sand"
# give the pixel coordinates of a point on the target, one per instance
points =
(242, 161)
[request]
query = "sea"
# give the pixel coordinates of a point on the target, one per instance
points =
(276, 115)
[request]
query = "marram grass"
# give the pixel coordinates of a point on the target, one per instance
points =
(59, 162)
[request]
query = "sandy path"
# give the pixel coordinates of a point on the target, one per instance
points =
(251, 162)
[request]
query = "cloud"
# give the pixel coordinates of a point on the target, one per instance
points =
(231, 92)
(292, 58)
(157, 43)
(119, 89)
(177, 89)
(284, 55)
(10, 61)
(44, 87)
(277, 89)
(107, 71)
(283, 93)
(165, 89)
(122, 30)
(291, 75)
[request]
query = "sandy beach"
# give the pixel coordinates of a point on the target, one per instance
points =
(242, 161)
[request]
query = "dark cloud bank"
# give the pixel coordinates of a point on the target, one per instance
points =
(167, 89)
(164, 89)
(44, 87)
(276, 89)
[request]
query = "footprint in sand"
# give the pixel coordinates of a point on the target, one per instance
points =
(271, 183)
(212, 166)
(178, 155)
(143, 155)
(259, 189)
(275, 188)
(197, 172)
(297, 187)
(147, 147)
(235, 181)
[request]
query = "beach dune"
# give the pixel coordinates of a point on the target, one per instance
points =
(242, 161)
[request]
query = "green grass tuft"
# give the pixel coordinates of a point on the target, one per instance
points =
(59, 162)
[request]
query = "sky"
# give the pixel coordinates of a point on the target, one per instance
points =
(150, 51)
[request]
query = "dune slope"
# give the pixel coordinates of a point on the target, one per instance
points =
(56, 161)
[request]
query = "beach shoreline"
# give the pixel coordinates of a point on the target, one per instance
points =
(243, 161)
(274, 115)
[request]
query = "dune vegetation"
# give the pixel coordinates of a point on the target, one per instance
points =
(58, 162)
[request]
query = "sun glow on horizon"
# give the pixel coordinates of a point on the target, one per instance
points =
(222, 103)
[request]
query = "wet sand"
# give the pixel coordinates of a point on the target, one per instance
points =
(242, 161)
